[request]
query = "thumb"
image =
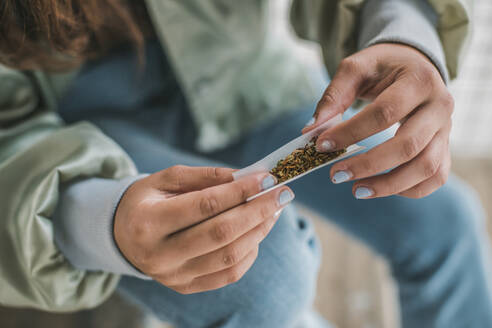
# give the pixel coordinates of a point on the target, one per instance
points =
(340, 94)
(181, 178)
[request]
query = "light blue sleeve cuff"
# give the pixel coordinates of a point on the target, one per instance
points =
(83, 225)
(410, 22)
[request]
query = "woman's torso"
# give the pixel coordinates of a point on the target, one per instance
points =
(236, 63)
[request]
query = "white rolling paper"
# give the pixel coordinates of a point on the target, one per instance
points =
(270, 161)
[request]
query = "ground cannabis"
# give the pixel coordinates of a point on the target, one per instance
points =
(302, 160)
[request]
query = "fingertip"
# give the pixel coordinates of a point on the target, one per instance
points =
(363, 192)
(340, 176)
(326, 146)
(267, 181)
(308, 128)
(220, 175)
(311, 122)
(285, 196)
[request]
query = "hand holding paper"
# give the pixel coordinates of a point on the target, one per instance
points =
(404, 87)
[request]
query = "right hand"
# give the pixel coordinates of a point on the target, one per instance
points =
(191, 229)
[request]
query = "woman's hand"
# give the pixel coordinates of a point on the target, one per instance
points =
(191, 229)
(404, 86)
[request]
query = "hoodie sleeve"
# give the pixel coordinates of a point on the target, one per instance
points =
(38, 156)
(343, 27)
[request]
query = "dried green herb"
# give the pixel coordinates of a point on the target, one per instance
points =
(302, 160)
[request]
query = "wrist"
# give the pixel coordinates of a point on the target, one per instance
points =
(83, 224)
(410, 22)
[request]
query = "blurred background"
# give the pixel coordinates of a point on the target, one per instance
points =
(471, 135)
(355, 289)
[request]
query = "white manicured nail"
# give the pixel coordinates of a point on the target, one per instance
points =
(285, 197)
(341, 176)
(363, 192)
(268, 182)
(327, 145)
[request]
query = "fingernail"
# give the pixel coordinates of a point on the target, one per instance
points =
(310, 122)
(363, 192)
(268, 182)
(341, 176)
(285, 197)
(326, 145)
(277, 214)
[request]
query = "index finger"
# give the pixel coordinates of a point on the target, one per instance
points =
(340, 94)
(227, 227)
(194, 207)
(393, 104)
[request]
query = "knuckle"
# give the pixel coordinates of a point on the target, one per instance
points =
(212, 172)
(173, 277)
(389, 189)
(234, 275)
(366, 164)
(430, 166)
(264, 230)
(232, 256)
(418, 193)
(243, 191)
(354, 133)
(177, 168)
(425, 75)
(184, 289)
(265, 213)
(447, 102)
(331, 96)
(221, 232)
(175, 176)
(384, 115)
(410, 147)
(395, 190)
(209, 205)
(165, 280)
(350, 64)
(257, 249)
(442, 177)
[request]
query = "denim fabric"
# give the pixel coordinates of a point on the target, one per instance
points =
(437, 247)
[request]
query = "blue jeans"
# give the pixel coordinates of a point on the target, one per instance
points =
(436, 247)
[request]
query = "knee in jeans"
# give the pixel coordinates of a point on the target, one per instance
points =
(462, 214)
(282, 300)
(454, 223)
(285, 284)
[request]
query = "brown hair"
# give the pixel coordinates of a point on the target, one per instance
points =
(59, 34)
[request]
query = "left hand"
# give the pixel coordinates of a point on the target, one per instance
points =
(404, 86)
